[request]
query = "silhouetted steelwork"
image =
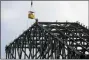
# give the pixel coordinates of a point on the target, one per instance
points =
(51, 40)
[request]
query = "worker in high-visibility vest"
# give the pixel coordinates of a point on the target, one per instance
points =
(31, 15)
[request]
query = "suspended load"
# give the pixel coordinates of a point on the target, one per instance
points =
(31, 14)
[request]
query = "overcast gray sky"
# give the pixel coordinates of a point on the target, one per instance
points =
(14, 16)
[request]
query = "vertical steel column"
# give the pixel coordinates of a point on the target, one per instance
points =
(33, 42)
(25, 47)
(6, 51)
(37, 35)
(15, 49)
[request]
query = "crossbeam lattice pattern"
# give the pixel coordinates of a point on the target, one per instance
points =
(51, 40)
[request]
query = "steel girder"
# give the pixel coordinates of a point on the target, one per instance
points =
(51, 40)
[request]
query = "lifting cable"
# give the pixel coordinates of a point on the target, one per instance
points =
(31, 14)
(31, 3)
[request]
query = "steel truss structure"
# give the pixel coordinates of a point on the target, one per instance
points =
(51, 40)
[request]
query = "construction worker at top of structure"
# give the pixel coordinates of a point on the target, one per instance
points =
(31, 15)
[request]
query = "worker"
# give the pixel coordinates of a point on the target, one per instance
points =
(31, 15)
